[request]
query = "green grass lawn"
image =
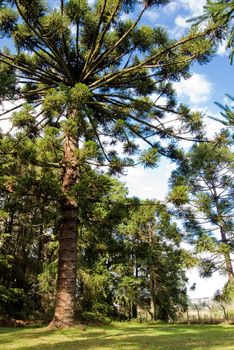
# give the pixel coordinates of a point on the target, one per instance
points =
(122, 336)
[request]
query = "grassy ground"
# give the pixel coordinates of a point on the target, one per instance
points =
(120, 336)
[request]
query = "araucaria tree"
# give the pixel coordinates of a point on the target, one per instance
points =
(220, 12)
(203, 187)
(96, 79)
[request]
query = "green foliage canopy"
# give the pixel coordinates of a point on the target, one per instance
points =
(88, 59)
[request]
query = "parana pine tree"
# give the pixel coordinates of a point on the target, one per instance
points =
(221, 13)
(203, 187)
(97, 79)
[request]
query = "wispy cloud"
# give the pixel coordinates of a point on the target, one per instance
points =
(151, 15)
(149, 183)
(181, 22)
(196, 89)
(194, 7)
(222, 49)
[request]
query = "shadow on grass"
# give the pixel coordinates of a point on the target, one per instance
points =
(10, 335)
(130, 338)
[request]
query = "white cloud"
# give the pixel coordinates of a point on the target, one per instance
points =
(159, 100)
(197, 89)
(5, 122)
(192, 7)
(212, 126)
(222, 49)
(151, 15)
(149, 183)
(91, 2)
(180, 27)
(5, 125)
(195, 7)
(171, 7)
(177, 32)
(125, 17)
(181, 22)
(185, 10)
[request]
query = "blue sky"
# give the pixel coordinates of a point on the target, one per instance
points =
(208, 84)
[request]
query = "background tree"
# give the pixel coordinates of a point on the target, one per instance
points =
(203, 186)
(221, 13)
(222, 300)
(155, 262)
(29, 210)
(29, 220)
(103, 209)
(89, 73)
(227, 113)
(120, 267)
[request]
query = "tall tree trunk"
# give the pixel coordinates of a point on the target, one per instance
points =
(224, 313)
(134, 310)
(211, 319)
(153, 281)
(65, 301)
(153, 302)
(198, 313)
(135, 302)
(227, 256)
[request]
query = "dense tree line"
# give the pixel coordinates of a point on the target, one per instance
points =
(128, 250)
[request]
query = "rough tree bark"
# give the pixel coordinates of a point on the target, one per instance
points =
(65, 301)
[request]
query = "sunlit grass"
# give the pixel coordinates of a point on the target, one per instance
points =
(120, 336)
